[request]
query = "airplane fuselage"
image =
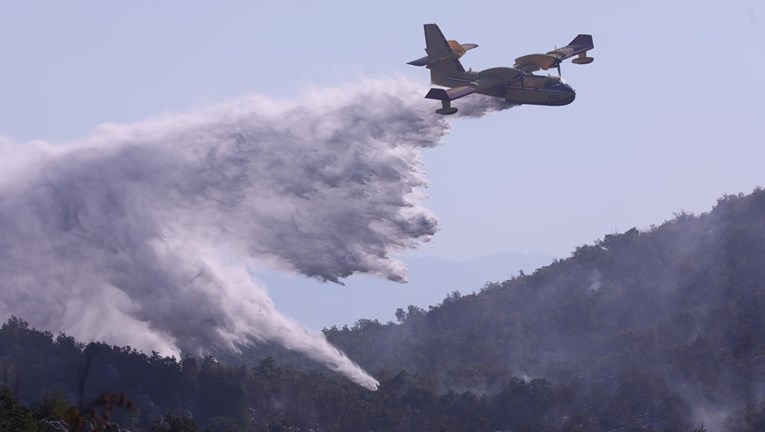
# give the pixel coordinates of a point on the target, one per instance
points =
(521, 90)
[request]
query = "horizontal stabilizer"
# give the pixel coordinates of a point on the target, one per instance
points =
(449, 94)
(422, 61)
(460, 49)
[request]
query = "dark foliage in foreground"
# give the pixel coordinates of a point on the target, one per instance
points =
(661, 330)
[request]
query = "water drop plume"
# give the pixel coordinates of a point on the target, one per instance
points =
(140, 234)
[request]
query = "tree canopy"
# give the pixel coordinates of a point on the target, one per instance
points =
(653, 330)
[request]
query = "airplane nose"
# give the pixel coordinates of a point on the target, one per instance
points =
(568, 98)
(572, 95)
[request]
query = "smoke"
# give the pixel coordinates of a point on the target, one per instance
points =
(140, 234)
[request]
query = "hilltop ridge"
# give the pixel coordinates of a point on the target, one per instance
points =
(653, 330)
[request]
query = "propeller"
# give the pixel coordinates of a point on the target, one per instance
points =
(557, 65)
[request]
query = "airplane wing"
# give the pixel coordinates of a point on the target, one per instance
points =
(446, 96)
(450, 94)
(579, 46)
(485, 81)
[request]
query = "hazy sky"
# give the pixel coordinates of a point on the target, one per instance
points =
(668, 117)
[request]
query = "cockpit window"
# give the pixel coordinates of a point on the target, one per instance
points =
(554, 82)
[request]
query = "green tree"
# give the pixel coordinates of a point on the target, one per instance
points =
(14, 417)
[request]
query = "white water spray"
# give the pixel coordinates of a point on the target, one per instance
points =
(139, 234)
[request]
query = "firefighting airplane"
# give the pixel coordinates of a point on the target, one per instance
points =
(517, 85)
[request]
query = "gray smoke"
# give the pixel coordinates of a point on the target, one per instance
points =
(140, 234)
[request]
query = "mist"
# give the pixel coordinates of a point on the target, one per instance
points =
(141, 234)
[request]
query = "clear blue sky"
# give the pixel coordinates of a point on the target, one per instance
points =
(668, 117)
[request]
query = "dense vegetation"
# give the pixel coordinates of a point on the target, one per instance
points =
(661, 330)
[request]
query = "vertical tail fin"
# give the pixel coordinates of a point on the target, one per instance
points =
(443, 62)
(438, 49)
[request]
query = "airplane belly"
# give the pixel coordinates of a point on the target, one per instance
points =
(538, 97)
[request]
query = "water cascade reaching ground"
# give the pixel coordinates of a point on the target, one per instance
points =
(140, 234)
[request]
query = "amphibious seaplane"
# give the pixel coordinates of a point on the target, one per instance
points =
(518, 85)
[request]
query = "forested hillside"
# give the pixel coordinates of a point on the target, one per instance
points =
(665, 324)
(655, 330)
